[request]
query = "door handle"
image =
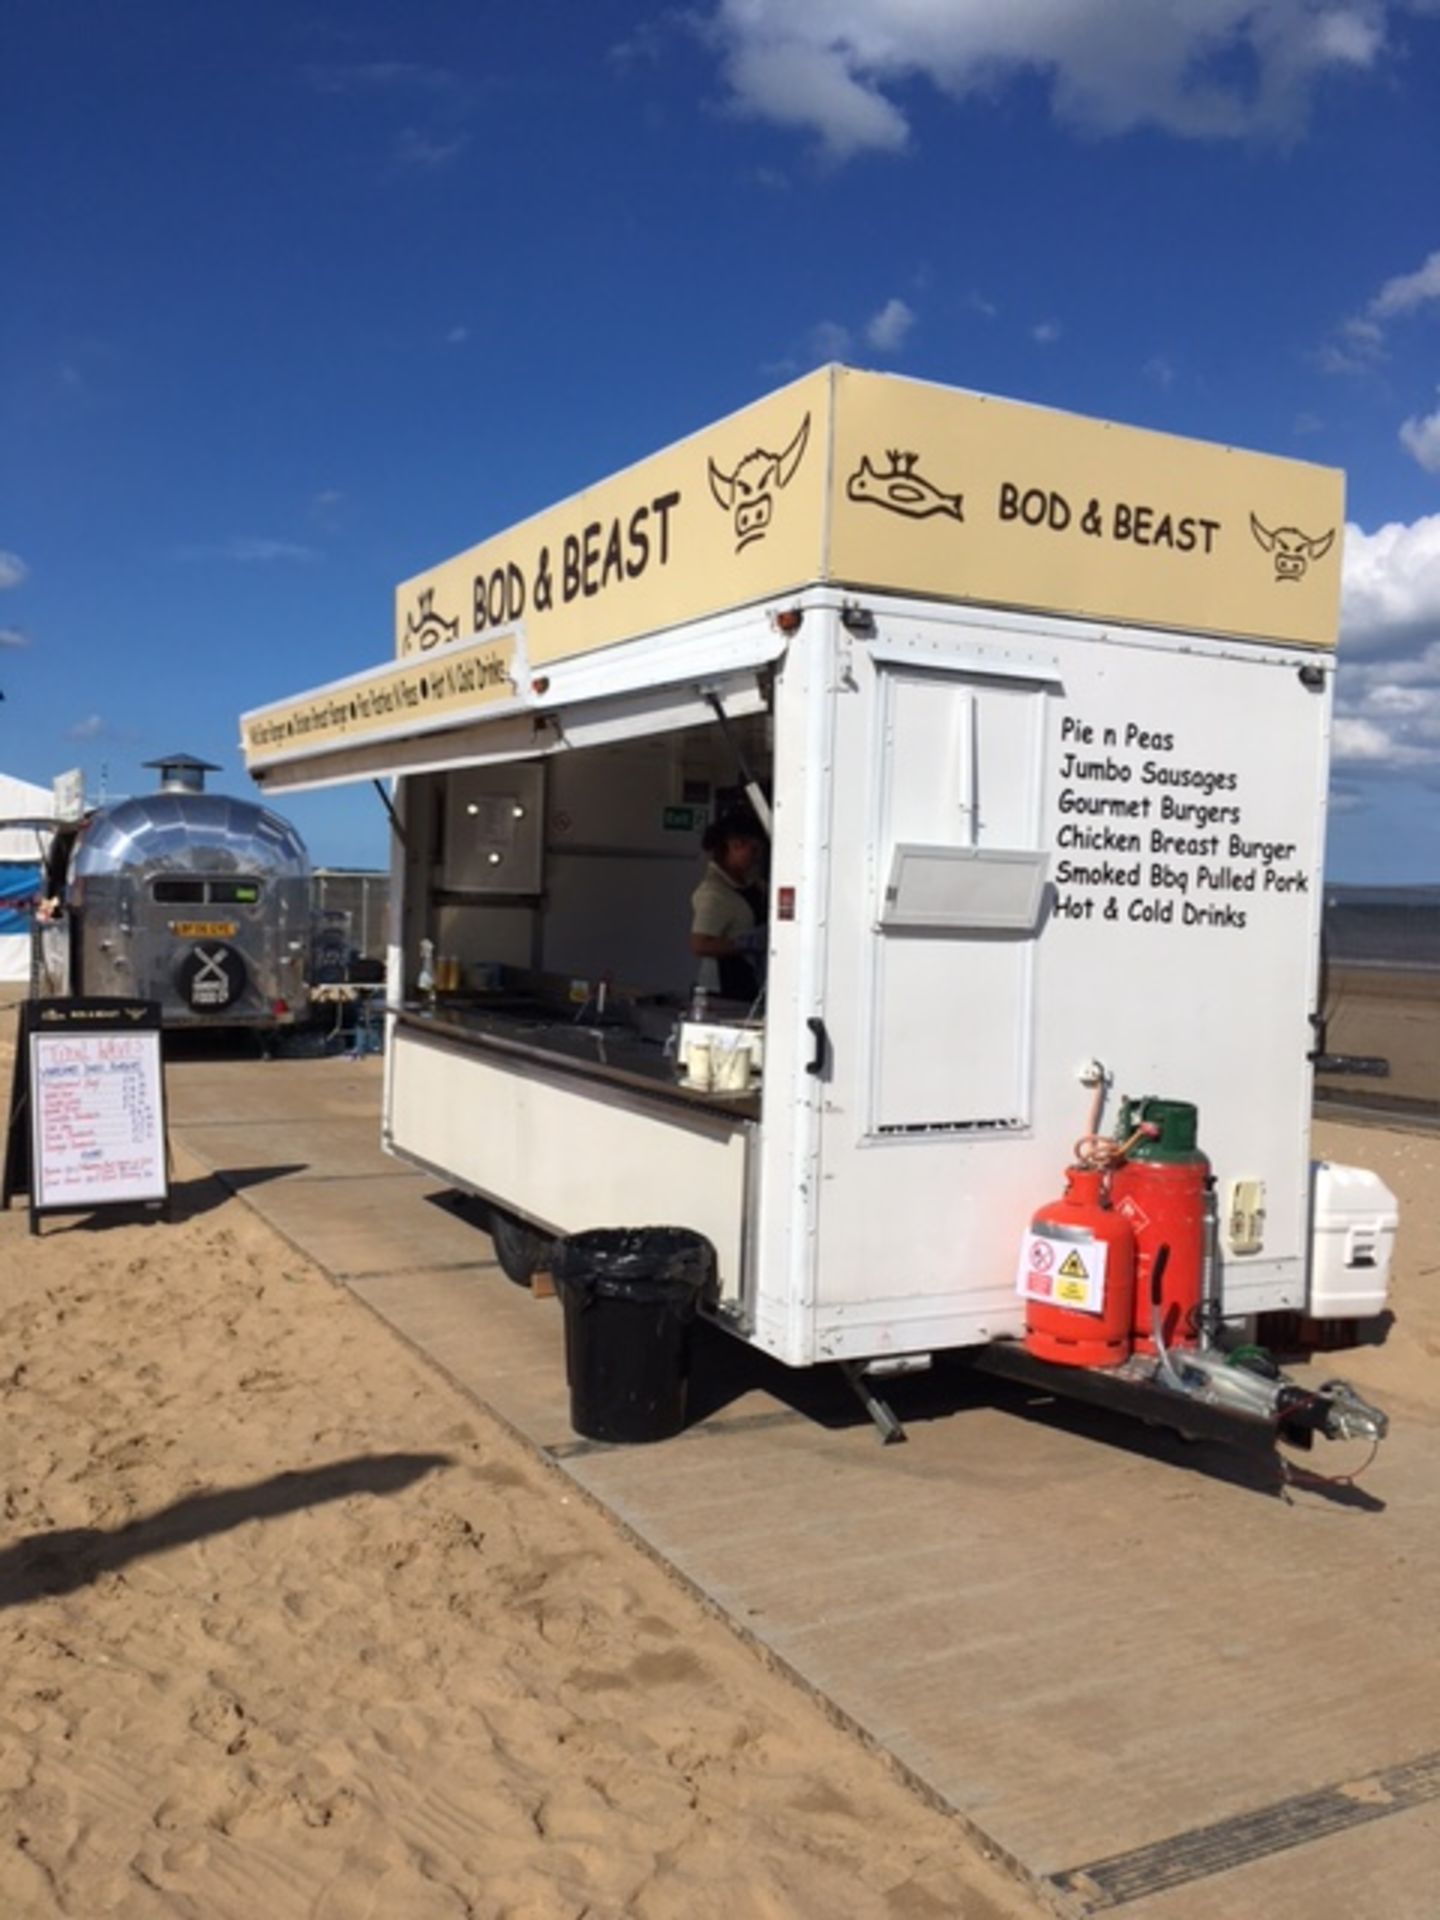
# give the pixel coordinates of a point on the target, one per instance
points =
(819, 1063)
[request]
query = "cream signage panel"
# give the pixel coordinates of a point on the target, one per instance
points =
(950, 494)
(410, 698)
(732, 515)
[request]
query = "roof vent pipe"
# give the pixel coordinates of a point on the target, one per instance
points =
(182, 772)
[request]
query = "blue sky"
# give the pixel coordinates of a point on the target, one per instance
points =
(300, 298)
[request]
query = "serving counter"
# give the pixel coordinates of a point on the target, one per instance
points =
(568, 1126)
(612, 1053)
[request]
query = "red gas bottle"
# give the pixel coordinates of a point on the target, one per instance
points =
(1162, 1188)
(1077, 1274)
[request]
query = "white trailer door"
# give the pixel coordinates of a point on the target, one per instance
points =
(930, 976)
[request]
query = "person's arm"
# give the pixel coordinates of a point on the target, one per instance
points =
(713, 934)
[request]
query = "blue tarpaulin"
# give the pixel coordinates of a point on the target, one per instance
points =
(19, 889)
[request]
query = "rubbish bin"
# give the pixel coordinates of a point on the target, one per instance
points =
(630, 1297)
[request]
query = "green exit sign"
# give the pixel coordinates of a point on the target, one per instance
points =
(682, 819)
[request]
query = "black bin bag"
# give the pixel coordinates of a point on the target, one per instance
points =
(630, 1296)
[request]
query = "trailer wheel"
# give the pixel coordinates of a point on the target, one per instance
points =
(520, 1249)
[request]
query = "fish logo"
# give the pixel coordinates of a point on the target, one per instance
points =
(901, 489)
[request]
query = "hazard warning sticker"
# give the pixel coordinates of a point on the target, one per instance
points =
(1065, 1273)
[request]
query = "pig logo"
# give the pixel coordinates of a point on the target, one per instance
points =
(749, 492)
(1292, 550)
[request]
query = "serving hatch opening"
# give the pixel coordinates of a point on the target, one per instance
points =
(576, 868)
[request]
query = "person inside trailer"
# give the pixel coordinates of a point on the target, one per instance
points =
(727, 923)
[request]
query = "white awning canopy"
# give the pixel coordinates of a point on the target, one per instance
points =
(479, 704)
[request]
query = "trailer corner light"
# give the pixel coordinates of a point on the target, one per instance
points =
(1312, 678)
(541, 684)
(517, 813)
(279, 1008)
(472, 809)
(785, 903)
(495, 859)
(857, 620)
(789, 621)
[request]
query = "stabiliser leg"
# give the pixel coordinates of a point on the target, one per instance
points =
(880, 1411)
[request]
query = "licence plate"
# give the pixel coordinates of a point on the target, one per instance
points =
(203, 929)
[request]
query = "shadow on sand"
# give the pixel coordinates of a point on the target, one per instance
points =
(189, 1199)
(64, 1561)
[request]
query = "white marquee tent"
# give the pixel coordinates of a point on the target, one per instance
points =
(22, 850)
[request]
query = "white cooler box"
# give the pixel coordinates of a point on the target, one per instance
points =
(1352, 1242)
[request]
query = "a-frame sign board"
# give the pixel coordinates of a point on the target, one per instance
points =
(87, 1108)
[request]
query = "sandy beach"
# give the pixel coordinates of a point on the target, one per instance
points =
(289, 1628)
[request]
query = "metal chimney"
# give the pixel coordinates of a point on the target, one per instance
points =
(182, 772)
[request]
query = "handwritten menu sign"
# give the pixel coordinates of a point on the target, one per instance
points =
(87, 1118)
(96, 1119)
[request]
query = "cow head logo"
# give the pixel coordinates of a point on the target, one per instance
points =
(1292, 550)
(424, 628)
(749, 492)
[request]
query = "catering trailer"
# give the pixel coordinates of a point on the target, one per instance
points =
(195, 900)
(1036, 711)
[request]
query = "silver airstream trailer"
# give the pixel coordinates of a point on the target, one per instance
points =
(195, 900)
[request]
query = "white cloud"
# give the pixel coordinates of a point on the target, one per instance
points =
(642, 47)
(327, 510)
(1197, 68)
(1360, 345)
(830, 341)
(795, 82)
(1388, 688)
(90, 728)
(251, 552)
(1390, 603)
(1354, 739)
(1161, 369)
(13, 570)
(13, 637)
(886, 330)
(1407, 291)
(248, 551)
(457, 336)
(420, 152)
(1046, 332)
(380, 76)
(1420, 437)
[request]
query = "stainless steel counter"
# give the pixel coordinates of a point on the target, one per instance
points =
(614, 1054)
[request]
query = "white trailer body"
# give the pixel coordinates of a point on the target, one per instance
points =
(1045, 819)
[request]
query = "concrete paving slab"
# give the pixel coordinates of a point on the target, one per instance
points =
(358, 1227)
(1087, 1639)
(350, 1149)
(205, 1091)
